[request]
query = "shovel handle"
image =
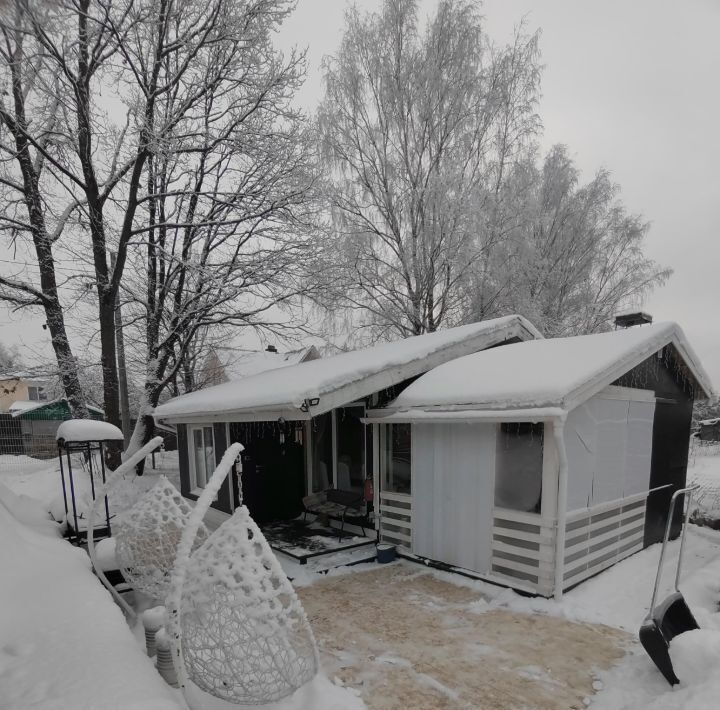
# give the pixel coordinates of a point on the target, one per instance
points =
(668, 526)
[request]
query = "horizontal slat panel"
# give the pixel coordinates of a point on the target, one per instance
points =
(519, 517)
(574, 515)
(396, 535)
(542, 554)
(580, 575)
(398, 497)
(395, 511)
(540, 538)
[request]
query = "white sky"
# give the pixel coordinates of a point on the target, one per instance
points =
(631, 86)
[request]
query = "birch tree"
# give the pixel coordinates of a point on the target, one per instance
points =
(420, 127)
(575, 257)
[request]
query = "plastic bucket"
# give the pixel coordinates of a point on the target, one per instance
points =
(385, 553)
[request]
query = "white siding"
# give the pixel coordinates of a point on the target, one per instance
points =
(453, 480)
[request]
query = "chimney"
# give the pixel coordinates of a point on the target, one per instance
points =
(271, 349)
(628, 320)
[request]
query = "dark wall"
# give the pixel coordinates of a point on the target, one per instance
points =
(183, 463)
(674, 392)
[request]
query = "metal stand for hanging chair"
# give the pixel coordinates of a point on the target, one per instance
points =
(672, 616)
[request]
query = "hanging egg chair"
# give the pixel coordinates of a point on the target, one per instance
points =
(239, 629)
(147, 536)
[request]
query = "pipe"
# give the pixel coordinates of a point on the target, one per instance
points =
(559, 434)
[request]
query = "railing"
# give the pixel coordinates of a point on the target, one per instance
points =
(598, 537)
(396, 518)
(523, 550)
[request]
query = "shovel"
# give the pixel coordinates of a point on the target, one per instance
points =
(672, 616)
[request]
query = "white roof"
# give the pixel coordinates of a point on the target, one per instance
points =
(252, 362)
(710, 422)
(23, 406)
(82, 430)
(337, 380)
(557, 372)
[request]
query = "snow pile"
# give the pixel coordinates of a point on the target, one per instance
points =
(29, 511)
(147, 537)
(64, 643)
(85, 430)
(543, 373)
(696, 656)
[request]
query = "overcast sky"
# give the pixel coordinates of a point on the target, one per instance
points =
(628, 85)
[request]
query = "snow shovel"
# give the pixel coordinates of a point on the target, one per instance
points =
(672, 616)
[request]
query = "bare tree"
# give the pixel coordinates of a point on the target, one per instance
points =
(420, 128)
(28, 119)
(227, 201)
(575, 257)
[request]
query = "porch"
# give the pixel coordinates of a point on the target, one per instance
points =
(305, 540)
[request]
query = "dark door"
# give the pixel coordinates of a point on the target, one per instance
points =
(671, 437)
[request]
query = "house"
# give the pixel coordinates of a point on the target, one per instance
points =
(541, 463)
(225, 364)
(23, 386)
(29, 427)
(302, 424)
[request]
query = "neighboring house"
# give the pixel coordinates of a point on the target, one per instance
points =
(302, 425)
(29, 427)
(541, 463)
(226, 364)
(709, 430)
(23, 386)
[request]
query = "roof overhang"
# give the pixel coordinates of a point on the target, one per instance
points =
(469, 416)
(317, 403)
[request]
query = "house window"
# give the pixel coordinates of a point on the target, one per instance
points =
(202, 456)
(37, 394)
(518, 466)
(396, 458)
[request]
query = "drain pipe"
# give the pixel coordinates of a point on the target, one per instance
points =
(559, 433)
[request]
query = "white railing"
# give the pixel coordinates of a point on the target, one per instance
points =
(396, 518)
(598, 537)
(523, 550)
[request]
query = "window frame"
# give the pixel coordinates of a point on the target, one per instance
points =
(193, 482)
(387, 475)
(40, 394)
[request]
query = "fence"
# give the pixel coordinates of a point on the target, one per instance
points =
(27, 437)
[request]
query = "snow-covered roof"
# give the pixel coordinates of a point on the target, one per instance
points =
(557, 372)
(317, 386)
(82, 430)
(23, 406)
(252, 362)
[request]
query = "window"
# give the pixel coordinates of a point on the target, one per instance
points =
(518, 466)
(37, 394)
(396, 458)
(202, 456)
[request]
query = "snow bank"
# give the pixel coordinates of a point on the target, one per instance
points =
(64, 643)
(81, 430)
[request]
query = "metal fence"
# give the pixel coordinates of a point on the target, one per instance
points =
(28, 437)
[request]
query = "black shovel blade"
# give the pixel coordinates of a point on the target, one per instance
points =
(667, 620)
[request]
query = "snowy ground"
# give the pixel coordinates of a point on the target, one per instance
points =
(415, 638)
